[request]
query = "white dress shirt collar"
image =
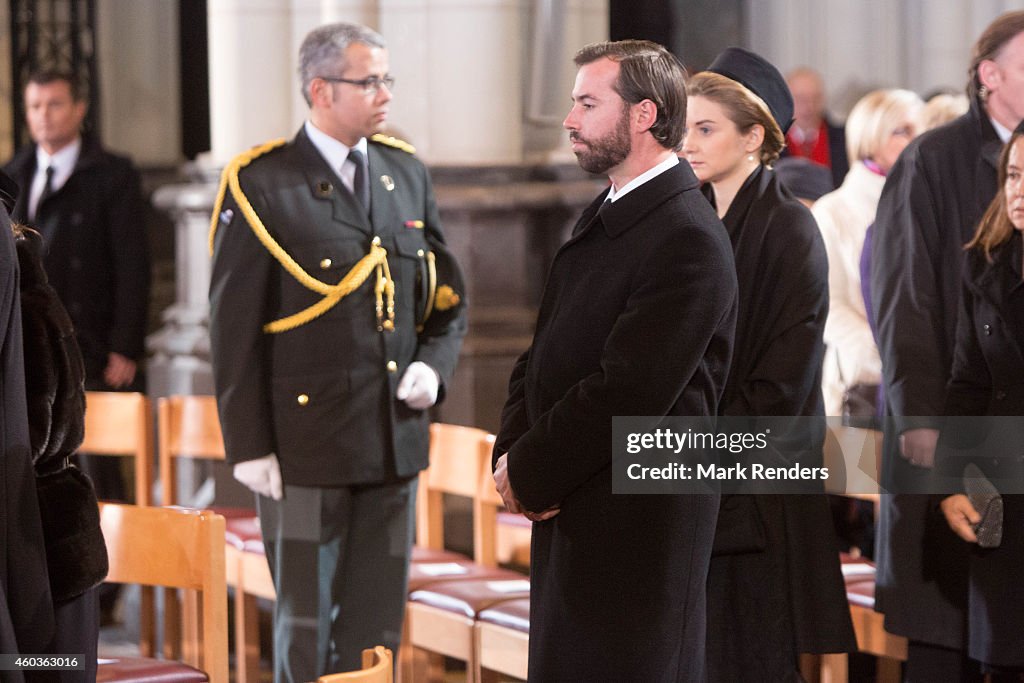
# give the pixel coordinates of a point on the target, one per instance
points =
(63, 162)
(652, 172)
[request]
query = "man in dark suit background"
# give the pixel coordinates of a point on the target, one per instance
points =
(637, 318)
(87, 204)
(330, 339)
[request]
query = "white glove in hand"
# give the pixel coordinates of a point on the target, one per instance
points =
(418, 387)
(262, 475)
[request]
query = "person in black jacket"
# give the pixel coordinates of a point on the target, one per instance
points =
(26, 608)
(930, 205)
(988, 379)
(775, 589)
(637, 318)
(76, 555)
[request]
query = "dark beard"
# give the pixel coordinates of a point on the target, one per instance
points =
(607, 152)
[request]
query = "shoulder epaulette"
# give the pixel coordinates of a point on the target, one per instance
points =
(229, 178)
(393, 142)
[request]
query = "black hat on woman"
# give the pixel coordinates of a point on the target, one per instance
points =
(760, 77)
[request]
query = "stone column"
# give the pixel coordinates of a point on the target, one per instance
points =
(251, 82)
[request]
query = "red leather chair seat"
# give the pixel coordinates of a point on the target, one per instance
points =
(861, 593)
(144, 670)
(471, 596)
(423, 574)
(244, 533)
(514, 614)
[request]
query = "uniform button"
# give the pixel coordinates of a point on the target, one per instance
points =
(326, 263)
(987, 328)
(1000, 395)
(419, 252)
(392, 366)
(302, 399)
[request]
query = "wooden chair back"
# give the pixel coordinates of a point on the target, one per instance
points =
(188, 427)
(377, 668)
(486, 504)
(455, 466)
(121, 423)
(176, 548)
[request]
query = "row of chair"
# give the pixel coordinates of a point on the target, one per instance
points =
(187, 427)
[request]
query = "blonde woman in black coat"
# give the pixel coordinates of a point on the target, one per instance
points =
(988, 379)
(775, 589)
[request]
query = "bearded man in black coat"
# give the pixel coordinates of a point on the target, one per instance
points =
(637, 318)
(932, 201)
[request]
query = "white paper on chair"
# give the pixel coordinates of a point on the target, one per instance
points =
(441, 568)
(857, 569)
(513, 586)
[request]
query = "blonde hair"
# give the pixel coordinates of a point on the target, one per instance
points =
(743, 107)
(874, 117)
(943, 108)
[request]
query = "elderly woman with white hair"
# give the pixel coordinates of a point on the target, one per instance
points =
(880, 125)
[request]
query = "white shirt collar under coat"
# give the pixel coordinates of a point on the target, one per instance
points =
(335, 152)
(653, 172)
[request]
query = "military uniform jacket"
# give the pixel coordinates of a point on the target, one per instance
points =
(637, 318)
(321, 395)
(96, 254)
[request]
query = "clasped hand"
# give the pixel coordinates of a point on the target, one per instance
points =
(508, 496)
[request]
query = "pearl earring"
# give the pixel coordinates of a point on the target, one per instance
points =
(750, 157)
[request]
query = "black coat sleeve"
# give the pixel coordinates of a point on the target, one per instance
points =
(130, 260)
(906, 294)
(240, 283)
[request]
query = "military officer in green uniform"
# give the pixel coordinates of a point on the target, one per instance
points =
(336, 320)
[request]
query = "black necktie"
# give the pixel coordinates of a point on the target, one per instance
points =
(47, 188)
(360, 188)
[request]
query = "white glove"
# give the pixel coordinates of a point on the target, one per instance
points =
(262, 475)
(419, 386)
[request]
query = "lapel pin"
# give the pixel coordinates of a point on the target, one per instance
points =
(414, 224)
(388, 183)
(324, 188)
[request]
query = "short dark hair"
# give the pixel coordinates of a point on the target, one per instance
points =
(990, 43)
(47, 76)
(647, 71)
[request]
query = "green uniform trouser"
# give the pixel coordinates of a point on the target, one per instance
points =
(340, 562)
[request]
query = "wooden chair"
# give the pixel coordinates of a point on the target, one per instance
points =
(119, 423)
(377, 668)
(178, 548)
(189, 427)
(442, 611)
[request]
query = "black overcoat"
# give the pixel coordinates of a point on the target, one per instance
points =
(96, 258)
(771, 600)
(26, 607)
(988, 379)
(637, 318)
(932, 201)
(322, 395)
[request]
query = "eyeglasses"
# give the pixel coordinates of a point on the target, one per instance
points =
(370, 84)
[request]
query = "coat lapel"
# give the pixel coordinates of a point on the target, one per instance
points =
(325, 185)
